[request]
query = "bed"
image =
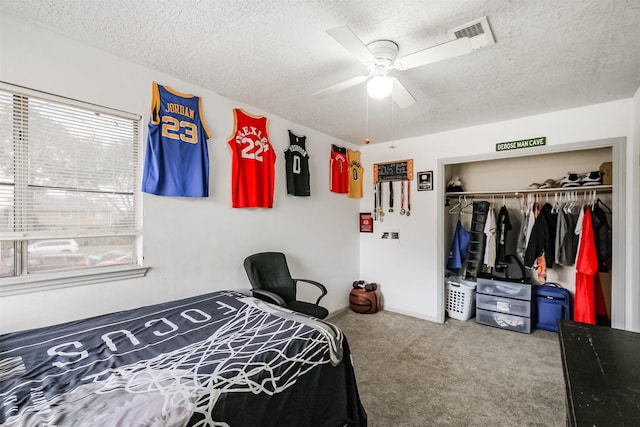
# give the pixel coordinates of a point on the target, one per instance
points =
(219, 359)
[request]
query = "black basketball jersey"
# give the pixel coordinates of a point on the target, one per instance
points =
(297, 165)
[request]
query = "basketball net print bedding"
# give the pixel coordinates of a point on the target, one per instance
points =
(219, 359)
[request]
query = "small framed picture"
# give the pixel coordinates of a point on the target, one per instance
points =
(366, 223)
(425, 181)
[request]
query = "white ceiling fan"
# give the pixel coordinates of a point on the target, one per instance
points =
(380, 57)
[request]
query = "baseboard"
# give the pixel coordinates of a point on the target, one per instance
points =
(393, 310)
(335, 313)
(412, 314)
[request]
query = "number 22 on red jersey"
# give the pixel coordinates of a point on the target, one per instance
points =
(252, 172)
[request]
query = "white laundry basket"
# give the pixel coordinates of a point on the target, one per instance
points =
(460, 298)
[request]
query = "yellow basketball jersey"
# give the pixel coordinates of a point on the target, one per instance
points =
(355, 175)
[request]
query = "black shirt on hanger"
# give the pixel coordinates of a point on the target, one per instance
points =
(543, 236)
(503, 225)
(602, 237)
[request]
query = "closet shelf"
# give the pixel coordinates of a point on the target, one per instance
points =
(579, 190)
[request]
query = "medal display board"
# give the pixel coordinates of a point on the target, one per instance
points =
(400, 170)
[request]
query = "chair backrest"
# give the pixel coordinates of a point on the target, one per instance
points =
(269, 271)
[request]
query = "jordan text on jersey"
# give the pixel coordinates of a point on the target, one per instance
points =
(179, 109)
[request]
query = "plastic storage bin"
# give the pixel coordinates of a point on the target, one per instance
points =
(504, 289)
(460, 298)
(504, 305)
(504, 321)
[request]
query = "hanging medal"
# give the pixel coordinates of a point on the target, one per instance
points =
(408, 198)
(390, 196)
(402, 211)
(380, 202)
(375, 201)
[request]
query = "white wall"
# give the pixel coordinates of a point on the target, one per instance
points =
(193, 246)
(407, 270)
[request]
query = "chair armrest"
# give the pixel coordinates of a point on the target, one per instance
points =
(317, 284)
(270, 296)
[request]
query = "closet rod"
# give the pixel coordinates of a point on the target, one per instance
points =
(517, 193)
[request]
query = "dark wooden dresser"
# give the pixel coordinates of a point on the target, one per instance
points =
(602, 374)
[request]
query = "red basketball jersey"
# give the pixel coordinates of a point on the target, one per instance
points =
(339, 165)
(252, 172)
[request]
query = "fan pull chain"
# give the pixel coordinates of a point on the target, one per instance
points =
(392, 121)
(366, 102)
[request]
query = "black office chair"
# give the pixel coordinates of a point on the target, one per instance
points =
(271, 281)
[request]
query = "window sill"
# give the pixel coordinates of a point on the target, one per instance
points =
(49, 281)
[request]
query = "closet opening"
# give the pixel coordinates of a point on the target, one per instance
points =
(524, 183)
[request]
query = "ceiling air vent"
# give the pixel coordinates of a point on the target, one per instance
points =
(478, 32)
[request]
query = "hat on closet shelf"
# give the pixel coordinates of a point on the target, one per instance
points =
(549, 183)
(533, 186)
(455, 185)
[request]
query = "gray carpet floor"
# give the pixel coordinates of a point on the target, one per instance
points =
(412, 372)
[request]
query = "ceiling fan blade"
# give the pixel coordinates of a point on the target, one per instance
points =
(440, 52)
(340, 86)
(352, 43)
(401, 95)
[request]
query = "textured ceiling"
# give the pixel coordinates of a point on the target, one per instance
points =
(549, 55)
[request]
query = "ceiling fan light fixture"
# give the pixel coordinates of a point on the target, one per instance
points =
(379, 87)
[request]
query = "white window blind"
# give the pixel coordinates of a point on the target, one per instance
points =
(68, 166)
(67, 170)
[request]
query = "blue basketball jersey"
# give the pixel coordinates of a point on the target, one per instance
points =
(177, 158)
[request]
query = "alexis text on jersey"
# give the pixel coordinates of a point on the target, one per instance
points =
(252, 171)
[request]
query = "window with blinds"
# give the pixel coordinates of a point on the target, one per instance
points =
(68, 173)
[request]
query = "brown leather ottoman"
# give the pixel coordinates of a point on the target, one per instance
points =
(363, 301)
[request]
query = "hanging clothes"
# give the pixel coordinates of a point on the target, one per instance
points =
(579, 225)
(523, 238)
(600, 306)
(569, 239)
(531, 220)
(602, 238)
(503, 226)
(542, 240)
(541, 268)
(459, 249)
(561, 230)
(490, 242)
(586, 268)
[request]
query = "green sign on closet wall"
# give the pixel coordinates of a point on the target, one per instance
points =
(523, 143)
